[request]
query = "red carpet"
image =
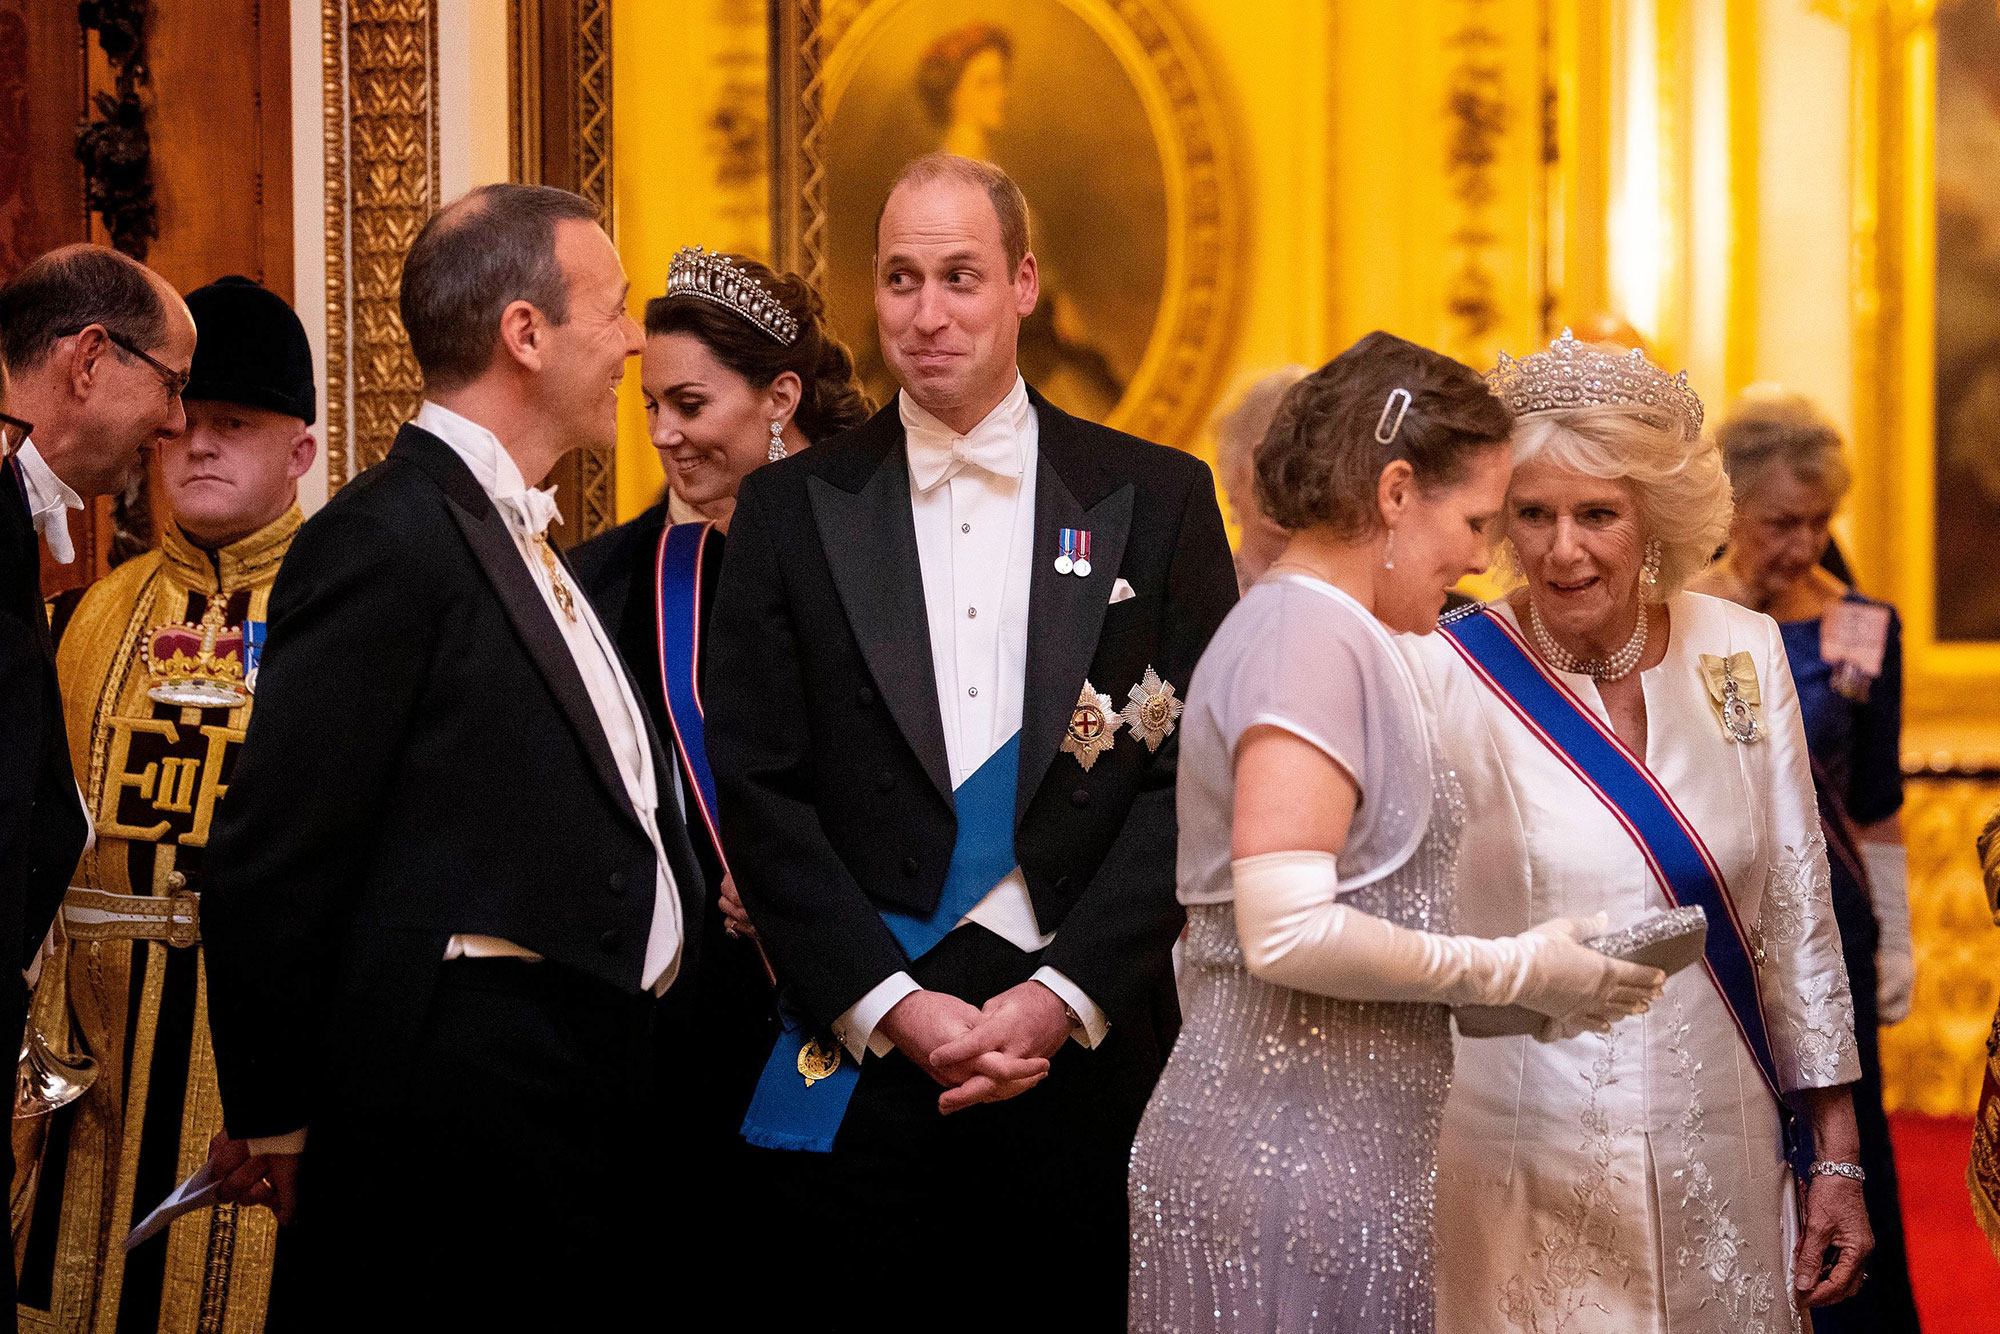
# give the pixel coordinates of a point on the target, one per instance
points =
(1957, 1281)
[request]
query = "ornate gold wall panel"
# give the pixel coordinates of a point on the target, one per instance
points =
(380, 96)
(559, 101)
(1933, 1061)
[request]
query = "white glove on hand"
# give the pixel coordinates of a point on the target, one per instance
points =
(1296, 933)
(1895, 958)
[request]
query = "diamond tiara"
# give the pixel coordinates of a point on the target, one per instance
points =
(715, 278)
(1576, 375)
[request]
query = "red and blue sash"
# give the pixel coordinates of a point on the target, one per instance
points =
(677, 571)
(1674, 852)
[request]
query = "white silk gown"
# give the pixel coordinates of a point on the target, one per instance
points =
(1634, 1181)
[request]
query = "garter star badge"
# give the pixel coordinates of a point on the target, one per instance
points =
(817, 1061)
(1091, 727)
(1153, 710)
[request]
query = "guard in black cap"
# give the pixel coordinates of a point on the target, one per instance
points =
(159, 673)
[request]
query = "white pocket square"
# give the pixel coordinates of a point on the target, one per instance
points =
(1120, 590)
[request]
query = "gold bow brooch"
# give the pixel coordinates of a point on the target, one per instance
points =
(1733, 690)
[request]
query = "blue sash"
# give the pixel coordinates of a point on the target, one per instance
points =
(788, 1113)
(677, 582)
(1673, 850)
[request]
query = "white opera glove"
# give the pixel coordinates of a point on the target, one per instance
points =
(1895, 957)
(1296, 933)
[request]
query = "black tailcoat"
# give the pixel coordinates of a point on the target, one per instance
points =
(827, 741)
(424, 761)
(42, 826)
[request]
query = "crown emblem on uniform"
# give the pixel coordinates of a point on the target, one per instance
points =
(196, 665)
(1576, 375)
(717, 279)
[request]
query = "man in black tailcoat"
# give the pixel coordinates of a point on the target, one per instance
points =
(946, 653)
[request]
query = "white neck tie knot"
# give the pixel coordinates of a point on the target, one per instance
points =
(533, 509)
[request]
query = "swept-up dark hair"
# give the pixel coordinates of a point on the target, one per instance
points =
(830, 397)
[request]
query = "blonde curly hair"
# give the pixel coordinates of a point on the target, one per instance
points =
(1683, 492)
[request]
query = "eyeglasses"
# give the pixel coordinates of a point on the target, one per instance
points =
(14, 433)
(175, 381)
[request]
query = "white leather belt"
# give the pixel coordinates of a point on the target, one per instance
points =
(97, 914)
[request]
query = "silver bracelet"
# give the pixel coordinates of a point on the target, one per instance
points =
(1852, 1171)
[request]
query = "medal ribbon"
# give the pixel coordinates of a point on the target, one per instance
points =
(1674, 852)
(1082, 543)
(1067, 541)
(786, 1112)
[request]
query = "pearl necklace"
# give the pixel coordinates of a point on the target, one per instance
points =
(1614, 668)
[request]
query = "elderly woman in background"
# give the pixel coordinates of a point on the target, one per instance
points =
(1238, 432)
(1786, 467)
(1625, 745)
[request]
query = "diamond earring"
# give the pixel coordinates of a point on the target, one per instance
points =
(1649, 573)
(777, 449)
(1389, 551)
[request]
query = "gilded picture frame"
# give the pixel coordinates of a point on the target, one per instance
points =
(1137, 205)
(1904, 536)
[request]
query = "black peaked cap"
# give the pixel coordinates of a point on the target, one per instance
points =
(250, 348)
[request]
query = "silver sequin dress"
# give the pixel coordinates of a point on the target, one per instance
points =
(1283, 1175)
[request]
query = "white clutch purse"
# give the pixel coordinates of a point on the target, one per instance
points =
(1668, 939)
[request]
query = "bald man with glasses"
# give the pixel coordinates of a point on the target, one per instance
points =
(96, 348)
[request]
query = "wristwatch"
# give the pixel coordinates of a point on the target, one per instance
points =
(1852, 1171)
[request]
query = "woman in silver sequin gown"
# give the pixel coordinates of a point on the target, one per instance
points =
(1282, 1175)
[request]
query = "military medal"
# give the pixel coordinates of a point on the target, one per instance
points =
(1075, 555)
(1092, 727)
(817, 1062)
(253, 653)
(1153, 710)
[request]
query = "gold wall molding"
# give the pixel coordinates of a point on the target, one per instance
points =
(380, 62)
(597, 474)
(1476, 103)
(559, 113)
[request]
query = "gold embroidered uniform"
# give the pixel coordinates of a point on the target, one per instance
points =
(152, 667)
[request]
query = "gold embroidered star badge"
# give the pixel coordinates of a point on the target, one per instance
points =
(1153, 710)
(1092, 726)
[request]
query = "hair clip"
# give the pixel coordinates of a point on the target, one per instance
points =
(1385, 429)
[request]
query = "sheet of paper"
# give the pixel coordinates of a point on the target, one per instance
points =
(197, 1192)
(1856, 632)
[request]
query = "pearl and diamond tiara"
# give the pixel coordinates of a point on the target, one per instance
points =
(716, 279)
(1576, 375)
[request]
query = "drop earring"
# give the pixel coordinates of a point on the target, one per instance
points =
(777, 449)
(1389, 551)
(1649, 573)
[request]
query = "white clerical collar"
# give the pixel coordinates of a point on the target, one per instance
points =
(996, 444)
(50, 499)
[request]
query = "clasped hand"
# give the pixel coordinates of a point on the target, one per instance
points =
(255, 1178)
(989, 1054)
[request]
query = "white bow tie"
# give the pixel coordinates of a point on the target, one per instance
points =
(533, 509)
(935, 457)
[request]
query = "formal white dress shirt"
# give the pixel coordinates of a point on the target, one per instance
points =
(972, 498)
(527, 513)
(50, 499)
